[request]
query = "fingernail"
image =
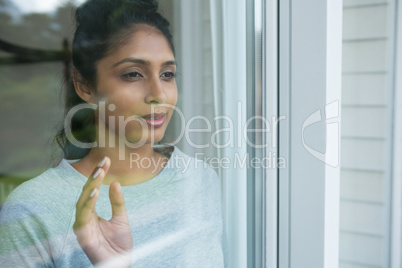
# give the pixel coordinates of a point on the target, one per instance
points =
(93, 193)
(102, 162)
(97, 173)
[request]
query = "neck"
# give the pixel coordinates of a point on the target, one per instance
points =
(128, 165)
(124, 163)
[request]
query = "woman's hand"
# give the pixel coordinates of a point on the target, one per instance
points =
(103, 241)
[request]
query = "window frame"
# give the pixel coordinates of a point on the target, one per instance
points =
(310, 32)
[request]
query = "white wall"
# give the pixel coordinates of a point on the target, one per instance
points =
(366, 133)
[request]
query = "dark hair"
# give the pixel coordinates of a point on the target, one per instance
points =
(101, 27)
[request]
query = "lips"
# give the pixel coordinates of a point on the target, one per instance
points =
(155, 120)
(154, 116)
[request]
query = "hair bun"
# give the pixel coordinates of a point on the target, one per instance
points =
(146, 6)
(92, 9)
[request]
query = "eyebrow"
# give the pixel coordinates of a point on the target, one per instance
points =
(143, 62)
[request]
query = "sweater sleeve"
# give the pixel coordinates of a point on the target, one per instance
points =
(36, 223)
(32, 227)
(23, 240)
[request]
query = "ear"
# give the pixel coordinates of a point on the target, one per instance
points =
(82, 88)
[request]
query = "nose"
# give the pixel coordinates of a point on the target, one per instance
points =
(156, 92)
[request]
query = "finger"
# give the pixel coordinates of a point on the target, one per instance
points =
(117, 200)
(94, 180)
(86, 203)
(103, 164)
(87, 191)
(87, 210)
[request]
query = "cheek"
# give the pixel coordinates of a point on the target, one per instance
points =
(124, 103)
(173, 96)
(118, 108)
(172, 101)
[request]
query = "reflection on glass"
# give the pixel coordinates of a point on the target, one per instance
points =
(31, 90)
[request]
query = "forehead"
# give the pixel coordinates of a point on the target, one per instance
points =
(146, 44)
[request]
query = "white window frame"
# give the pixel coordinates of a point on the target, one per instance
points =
(270, 38)
(310, 42)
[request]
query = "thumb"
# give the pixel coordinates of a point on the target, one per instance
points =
(117, 200)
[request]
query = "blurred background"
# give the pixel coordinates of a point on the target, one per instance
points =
(31, 105)
(31, 86)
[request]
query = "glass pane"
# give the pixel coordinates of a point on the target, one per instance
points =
(35, 41)
(31, 86)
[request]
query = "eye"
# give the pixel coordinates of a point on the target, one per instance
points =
(169, 75)
(132, 75)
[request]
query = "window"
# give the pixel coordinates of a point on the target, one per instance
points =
(317, 79)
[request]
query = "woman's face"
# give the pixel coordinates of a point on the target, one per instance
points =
(136, 80)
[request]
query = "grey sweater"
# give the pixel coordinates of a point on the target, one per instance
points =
(175, 218)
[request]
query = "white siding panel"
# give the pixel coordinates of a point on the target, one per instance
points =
(363, 154)
(368, 22)
(362, 186)
(347, 3)
(364, 122)
(361, 249)
(343, 264)
(364, 89)
(369, 56)
(362, 218)
(367, 34)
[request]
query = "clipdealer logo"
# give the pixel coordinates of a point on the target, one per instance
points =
(331, 154)
(272, 160)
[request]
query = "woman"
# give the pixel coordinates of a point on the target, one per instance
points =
(164, 207)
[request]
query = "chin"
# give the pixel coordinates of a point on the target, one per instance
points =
(156, 136)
